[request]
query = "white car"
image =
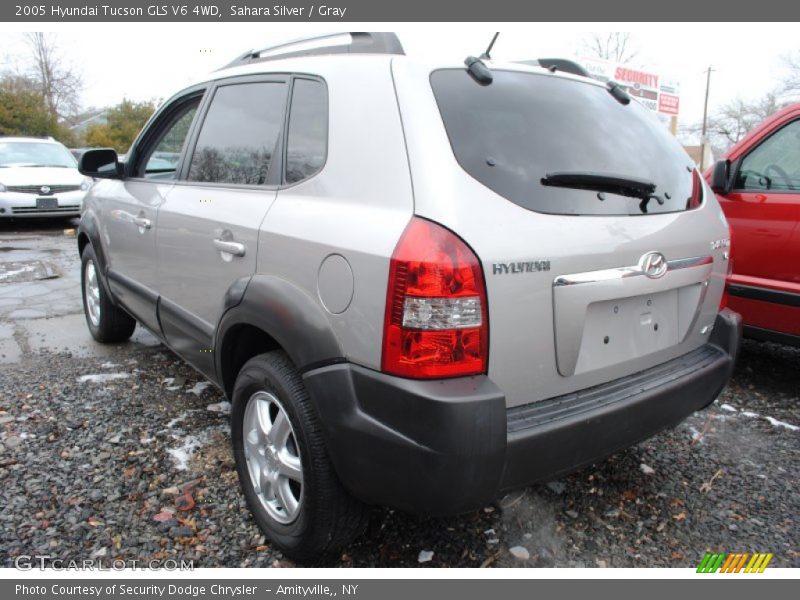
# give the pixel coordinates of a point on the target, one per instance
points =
(39, 178)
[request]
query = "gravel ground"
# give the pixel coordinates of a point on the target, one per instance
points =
(138, 467)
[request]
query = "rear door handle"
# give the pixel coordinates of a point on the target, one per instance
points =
(234, 248)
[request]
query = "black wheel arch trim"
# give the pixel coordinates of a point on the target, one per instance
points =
(88, 227)
(286, 313)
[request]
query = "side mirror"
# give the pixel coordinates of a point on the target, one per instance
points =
(102, 163)
(720, 177)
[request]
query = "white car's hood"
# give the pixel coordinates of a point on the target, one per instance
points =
(40, 176)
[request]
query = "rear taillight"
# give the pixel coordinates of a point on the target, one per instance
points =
(436, 322)
(697, 191)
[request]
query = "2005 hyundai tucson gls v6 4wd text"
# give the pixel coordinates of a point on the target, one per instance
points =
(420, 284)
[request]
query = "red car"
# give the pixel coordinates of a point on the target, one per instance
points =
(758, 185)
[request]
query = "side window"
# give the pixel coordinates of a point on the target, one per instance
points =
(307, 139)
(774, 164)
(162, 156)
(239, 134)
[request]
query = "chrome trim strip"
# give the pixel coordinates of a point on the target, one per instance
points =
(624, 272)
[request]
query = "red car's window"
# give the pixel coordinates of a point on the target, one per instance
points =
(774, 164)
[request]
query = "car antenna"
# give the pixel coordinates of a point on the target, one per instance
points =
(477, 68)
(486, 54)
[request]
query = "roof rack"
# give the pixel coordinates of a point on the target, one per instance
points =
(558, 64)
(374, 42)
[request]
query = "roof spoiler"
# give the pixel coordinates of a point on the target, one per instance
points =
(375, 42)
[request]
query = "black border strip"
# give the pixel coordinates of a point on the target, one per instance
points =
(764, 294)
(768, 335)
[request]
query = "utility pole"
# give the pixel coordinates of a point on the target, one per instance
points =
(705, 121)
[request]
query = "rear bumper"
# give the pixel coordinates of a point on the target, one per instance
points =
(449, 446)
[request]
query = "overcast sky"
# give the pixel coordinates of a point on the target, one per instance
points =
(153, 60)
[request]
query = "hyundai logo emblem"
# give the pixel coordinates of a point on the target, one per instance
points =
(653, 264)
(45, 189)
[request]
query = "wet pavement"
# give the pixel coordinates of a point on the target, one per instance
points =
(40, 300)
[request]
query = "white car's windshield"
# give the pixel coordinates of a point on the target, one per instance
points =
(35, 154)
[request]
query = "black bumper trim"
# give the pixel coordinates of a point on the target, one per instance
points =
(619, 390)
(449, 446)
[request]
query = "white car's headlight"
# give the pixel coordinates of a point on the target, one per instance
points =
(87, 183)
(2, 188)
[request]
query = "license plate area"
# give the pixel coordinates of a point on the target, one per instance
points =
(619, 330)
(49, 203)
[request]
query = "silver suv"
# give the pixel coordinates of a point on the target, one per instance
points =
(419, 283)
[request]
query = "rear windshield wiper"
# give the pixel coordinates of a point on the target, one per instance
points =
(602, 182)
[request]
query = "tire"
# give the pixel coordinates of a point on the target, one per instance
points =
(107, 323)
(326, 517)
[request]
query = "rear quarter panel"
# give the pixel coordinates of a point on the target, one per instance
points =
(356, 207)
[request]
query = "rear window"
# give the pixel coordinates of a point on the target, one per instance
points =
(512, 133)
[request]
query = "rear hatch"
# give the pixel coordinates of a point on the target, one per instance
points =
(586, 215)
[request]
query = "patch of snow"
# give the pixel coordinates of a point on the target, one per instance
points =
(183, 453)
(777, 423)
(223, 407)
(109, 365)
(520, 553)
(198, 388)
(177, 420)
(646, 469)
(774, 422)
(425, 556)
(102, 377)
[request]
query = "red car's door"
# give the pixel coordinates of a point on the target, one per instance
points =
(763, 209)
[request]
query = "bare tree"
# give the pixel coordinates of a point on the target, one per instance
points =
(734, 120)
(59, 84)
(791, 85)
(616, 46)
